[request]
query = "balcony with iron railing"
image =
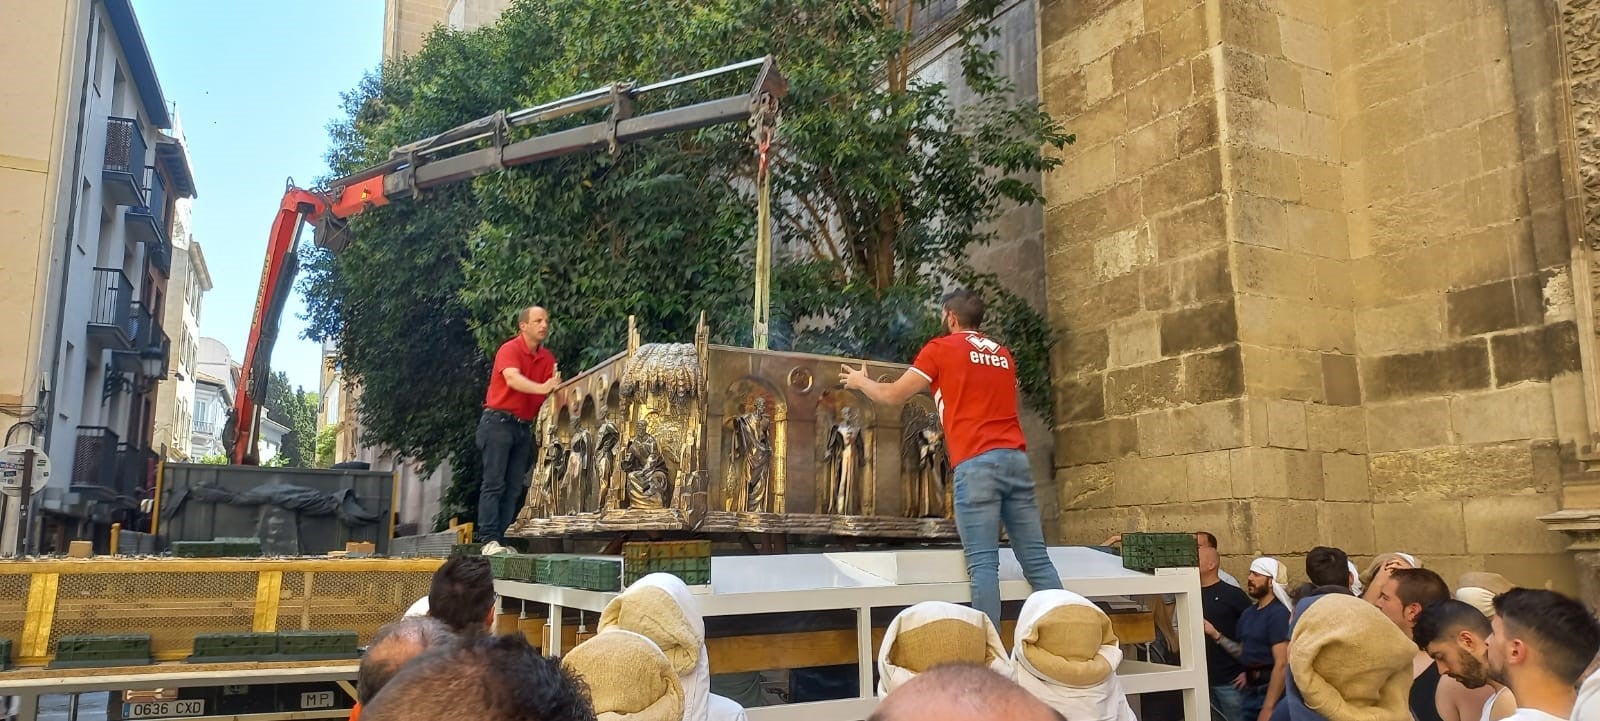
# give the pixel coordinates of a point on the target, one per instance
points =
(94, 459)
(103, 463)
(111, 314)
(125, 162)
(147, 221)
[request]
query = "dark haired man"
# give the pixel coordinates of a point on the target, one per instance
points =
(489, 678)
(974, 384)
(1401, 595)
(1541, 644)
(1455, 635)
(1328, 566)
(462, 594)
(524, 373)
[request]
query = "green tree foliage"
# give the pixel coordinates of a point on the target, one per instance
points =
(881, 186)
(326, 440)
(215, 459)
(297, 410)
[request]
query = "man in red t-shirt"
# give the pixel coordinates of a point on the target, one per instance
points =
(524, 373)
(974, 383)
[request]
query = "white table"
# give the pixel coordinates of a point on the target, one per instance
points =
(862, 581)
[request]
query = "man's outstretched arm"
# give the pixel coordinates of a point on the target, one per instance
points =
(897, 393)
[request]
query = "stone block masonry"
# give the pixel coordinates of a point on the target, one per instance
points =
(1308, 262)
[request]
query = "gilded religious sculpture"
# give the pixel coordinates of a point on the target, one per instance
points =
(778, 452)
(541, 495)
(925, 467)
(646, 470)
(575, 479)
(605, 459)
(845, 461)
(750, 459)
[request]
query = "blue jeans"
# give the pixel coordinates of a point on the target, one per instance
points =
(1226, 702)
(994, 487)
(507, 456)
(1252, 700)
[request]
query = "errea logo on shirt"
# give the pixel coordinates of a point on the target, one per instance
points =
(987, 352)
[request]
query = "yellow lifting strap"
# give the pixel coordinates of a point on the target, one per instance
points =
(766, 126)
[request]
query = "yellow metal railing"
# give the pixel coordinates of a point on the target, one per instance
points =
(173, 600)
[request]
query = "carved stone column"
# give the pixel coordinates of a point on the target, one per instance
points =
(1582, 527)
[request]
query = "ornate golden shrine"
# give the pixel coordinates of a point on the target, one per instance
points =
(710, 438)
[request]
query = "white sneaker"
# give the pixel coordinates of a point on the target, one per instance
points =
(493, 548)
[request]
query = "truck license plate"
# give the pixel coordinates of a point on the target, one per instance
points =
(164, 709)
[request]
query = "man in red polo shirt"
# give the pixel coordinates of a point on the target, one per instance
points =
(974, 383)
(524, 373)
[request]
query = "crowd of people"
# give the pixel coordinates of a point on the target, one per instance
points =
(1392, 642)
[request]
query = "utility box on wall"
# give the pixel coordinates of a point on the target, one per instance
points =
(293, 511)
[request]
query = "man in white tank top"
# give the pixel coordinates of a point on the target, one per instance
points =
(1455, 635)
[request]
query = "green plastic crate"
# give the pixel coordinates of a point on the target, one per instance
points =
(317, 645)
(1149, 551)
(214, 647)
(239, 547)
(519, 567)
(94, 651)
(553, 569)
(466, 549)
(197, 549)
(5, 654)
(599, 574)
(497, 565)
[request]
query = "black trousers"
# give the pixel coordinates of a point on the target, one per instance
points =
(507, 448)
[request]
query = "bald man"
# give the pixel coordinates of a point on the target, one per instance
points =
(524, 374)
(392, 647)
(962, 692)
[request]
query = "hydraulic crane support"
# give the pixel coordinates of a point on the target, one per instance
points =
(477, 148)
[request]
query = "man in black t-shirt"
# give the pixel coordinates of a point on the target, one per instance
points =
(1221, 604)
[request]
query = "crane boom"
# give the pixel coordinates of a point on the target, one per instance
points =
(464, 152)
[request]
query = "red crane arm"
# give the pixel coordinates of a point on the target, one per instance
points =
(483, 146)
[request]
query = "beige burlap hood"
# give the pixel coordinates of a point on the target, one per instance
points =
(660, 608)
(628, 676)
(933, 633)
(1478, 589)
(1350, 662)
(1067, 655)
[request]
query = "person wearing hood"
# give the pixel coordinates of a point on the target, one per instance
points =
(1349, 662)
(1478, 589)
(660, 608)
(936, 633)
(1264, 639)
(628, 677)
(1066, 654)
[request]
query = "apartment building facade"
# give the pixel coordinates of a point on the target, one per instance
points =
(186, 289)
(88, 186)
